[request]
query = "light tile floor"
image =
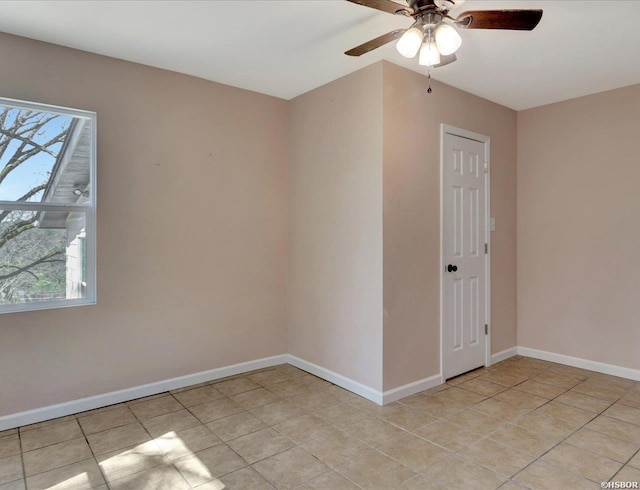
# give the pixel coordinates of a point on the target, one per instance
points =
(521, 423)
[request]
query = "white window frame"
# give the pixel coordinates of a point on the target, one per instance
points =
(88, 208)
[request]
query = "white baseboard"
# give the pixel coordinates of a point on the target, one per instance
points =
(337, 379)
(106, 399)
(75, 406)
(599, 367)
(98, 401)
(411, 388)
(376, 396)
(502, 355)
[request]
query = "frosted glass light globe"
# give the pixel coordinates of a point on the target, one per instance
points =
(429, 54)
(409, 44)
(447, 39)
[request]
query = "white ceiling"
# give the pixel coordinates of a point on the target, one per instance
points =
(286, 48)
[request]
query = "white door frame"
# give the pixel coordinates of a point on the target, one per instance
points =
(444, 130)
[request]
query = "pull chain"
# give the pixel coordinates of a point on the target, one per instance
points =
(429, 66)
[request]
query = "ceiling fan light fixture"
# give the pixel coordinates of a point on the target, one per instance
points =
(410, 42)
(429, 54)
(447, 38)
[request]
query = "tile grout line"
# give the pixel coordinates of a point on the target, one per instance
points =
(330, 469)
(153, 439)
(531, 411)
(272, 427)
(438, 418)
(297, 445)
(563, 440)
(95, 459)
(57, 467)
(24, 470)
(567, 437)
(624, 465)
(245, 410)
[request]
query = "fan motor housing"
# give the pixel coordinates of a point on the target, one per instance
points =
(422, 5)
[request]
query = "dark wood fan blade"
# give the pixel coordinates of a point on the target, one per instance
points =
(384, 5)
(446, 60)
(375, 43)
(518, 20)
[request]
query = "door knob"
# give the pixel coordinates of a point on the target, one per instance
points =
(452, 268)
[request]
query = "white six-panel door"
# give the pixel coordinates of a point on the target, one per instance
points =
(464, 237)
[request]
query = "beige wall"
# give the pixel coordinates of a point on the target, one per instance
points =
(578, 227)
(335, 226)
(367, 140)
(412, 218)
(191, 230)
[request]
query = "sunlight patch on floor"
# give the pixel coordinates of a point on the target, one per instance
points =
(172, 446)
(79, 481)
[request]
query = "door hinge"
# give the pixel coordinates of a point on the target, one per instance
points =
(486, 248)
(486, 329)
(486, 167)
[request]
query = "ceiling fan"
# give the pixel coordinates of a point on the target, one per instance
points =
(433, 32)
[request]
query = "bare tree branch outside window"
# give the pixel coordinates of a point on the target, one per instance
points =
(32, 261)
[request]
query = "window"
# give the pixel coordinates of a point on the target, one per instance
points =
(47, 206)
